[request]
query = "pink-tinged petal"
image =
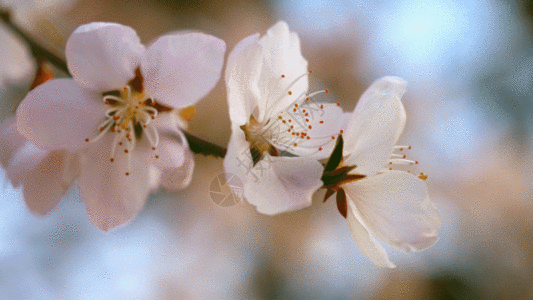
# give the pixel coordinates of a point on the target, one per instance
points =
(103, 56)
(375, 126)
(179, 178)
(172, 145)
(181, 69)
(10, 141)
(242, 75)
(367, 243)
(395, 207)
(281, 57)
(45, 176)
(59, 114)
(283, 184)
(238, 160)
(112, 197)
(320, 122)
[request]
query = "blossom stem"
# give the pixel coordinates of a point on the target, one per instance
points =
(197, 145)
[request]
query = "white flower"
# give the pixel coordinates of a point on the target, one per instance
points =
(377, 201)
(272, 113)
(118, 113)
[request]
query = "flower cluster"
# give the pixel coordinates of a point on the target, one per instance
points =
(116, 128)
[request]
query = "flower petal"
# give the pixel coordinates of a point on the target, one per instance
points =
(103, 56)
(375, 126)
(59, 114)
(281, 56)
(238, 160)
(181, 69)
(179, 178)
(283, 184)
(10, 141)
(242, 75)
(112, 197)
(45, 176)
(395, 207)
(367, 243)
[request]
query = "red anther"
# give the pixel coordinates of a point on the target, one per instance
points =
(401, 149)
(409, 148)
(390, 162)
(128, 136)
(101, 128)
(391, 169)
(303, 110)
(112, 129)
(295, 105)
(307, 120)
(292, 126)
(295, 144)
(126, 151)
(111, 159)
(86, 139)
(342, 131)
(157, 156)
(282, 76)
(153, 103)
(284, 121)
(308, 137)
(416, 162)
(298, 133)
(153, 148)
(306, 99)
(320, 149)
(294, 110)
(119, 131)
(310, 71)
(327, 91)
(144, 126)
(280, 117)
(338, 104)
(289, 130)
(290, 121)
(120, 143)
(127, 174)
(321, 106)
(310, 127)
(153, 117)
(404, 156)
(136, 123)
(306, 114)
(293, 133)
(332, 137)
(137, 107)
(290, 93)
(116, 118)
(107, 102)
(321, 122)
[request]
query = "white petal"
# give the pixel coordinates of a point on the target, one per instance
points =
(45, 176)
(395, 207)
(283, 184)
(59, 114)
(172, 143)
(179, 178)
(181, 69)
(242, 75)
(367, 243)
(26, 158)
(17, 64)
(238, 160)
(113, 198)
(103, 56)
(10, 141)
(281, 56)
(375, 126)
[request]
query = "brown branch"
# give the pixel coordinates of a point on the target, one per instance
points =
(197, 145)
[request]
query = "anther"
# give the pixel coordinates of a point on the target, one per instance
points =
(320, 149)
(290, 93)
(342, 131)
(126, 151)
(307, 99)
(310, 71)
(157, 156)
(338, 104)
(295, 105)
(127, 174)
(332, 137)
(120, 143)
(153, 148)
(153, 118)
(326, 91)
(87, 140)
(282, 76)
(111, 159)
(321, 122)
(295, 144)
(310, 127)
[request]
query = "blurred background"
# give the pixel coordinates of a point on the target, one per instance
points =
(469, 106)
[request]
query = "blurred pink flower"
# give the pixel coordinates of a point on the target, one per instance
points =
(109, 115)
(270, 111)
(388, 204)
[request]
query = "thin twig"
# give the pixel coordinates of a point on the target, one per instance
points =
(197, 145)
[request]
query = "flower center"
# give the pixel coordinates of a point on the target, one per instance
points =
(129, 117)
(301, 126)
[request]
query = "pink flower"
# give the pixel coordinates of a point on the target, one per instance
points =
(119, 113)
